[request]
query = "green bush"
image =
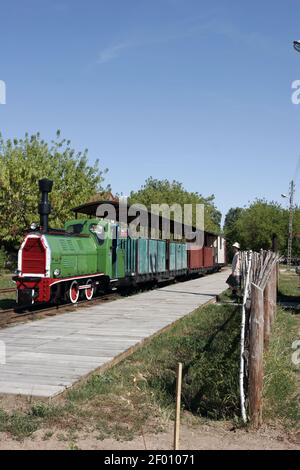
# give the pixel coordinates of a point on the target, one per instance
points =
(3, 258)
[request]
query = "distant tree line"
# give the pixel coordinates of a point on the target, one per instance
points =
(263, 225)
(24, 161)
(156, 191)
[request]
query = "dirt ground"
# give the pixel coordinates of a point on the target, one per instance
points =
(194, 436)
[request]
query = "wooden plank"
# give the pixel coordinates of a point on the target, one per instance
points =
(46, 358)
(34, 389)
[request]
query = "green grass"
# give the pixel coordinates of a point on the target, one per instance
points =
(282, 377)
(289, 284)
(281, 380)
(18, 424)
(6, 281)
(7, 300)
(227, 297)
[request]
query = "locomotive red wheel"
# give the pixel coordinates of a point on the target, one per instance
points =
(89, 292)
(74, 292)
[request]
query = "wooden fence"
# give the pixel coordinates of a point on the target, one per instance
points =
(259, 280)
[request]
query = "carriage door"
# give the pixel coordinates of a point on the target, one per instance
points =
(168, 255)
(114, 251)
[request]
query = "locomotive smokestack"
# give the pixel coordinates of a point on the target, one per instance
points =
(45, 186)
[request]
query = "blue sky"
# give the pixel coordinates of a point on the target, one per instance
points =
(189, 90)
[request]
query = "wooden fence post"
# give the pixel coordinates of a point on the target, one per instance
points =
(274, 291)
(178, 406)
(256, 348)
(267, 312)
(276, 284)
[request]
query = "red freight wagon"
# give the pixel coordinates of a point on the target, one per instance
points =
(196, 259)
(208, 257)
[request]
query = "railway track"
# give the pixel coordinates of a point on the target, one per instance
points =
(7, 290)
(14, 315)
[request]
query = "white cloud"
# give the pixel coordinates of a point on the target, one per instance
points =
(112, 52)
(190, 28)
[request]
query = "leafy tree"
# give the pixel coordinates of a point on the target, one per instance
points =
(259, 223)
(256, 226)
(3, 257)
(231, 231)
(156, 191)
(22, 163)
(296, 232)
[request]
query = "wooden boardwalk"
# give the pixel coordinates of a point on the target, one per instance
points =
(45, 357)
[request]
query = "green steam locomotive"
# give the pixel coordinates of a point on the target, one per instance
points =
(91, 255)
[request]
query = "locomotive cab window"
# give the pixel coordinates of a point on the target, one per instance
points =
(75, 229)
(98, 231)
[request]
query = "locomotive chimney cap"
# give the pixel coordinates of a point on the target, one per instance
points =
(45, 185)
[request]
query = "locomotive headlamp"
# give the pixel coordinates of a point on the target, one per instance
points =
(34, 226)
(56, 272)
